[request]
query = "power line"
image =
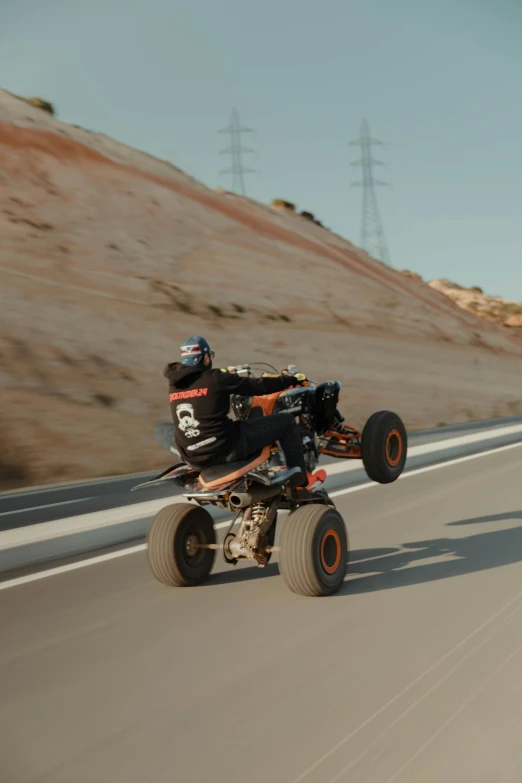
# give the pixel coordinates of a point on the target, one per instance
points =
(372, 232)
(236, 151)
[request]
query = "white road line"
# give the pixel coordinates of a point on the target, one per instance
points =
(81, 523)
(450, 443)
(471, 698)
(479, 646)
(141, 547)
(46, 505)
(413, 683)
(434, 446)
(42, 488)
(426, 469)
(21, 580)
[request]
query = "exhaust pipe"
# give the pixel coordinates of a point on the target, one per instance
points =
(256, 494)
(239, 500)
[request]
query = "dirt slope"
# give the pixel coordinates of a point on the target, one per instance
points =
(109, 258)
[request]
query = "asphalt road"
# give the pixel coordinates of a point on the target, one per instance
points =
(412, 673)
(44, 504)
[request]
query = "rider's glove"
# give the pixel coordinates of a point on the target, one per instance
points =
(298, 377)
(294, 372)
(291, 380)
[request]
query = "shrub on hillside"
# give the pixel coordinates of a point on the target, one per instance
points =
(282, 204)
(408, 273)
(41, 104)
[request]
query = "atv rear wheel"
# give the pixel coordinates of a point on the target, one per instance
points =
(314, 551)
(384, 446)
(173, 553)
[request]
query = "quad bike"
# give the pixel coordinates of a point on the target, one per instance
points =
(313, 547)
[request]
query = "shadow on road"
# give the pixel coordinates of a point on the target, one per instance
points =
(456, 556)
(488, 518)
(356, 555)
(248, 572)
(243, 574)
(385, 568)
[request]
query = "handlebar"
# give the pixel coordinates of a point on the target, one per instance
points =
(250, 370)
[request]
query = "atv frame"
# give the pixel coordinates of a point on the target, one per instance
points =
(313, 547)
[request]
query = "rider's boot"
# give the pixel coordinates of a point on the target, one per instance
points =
(312, 479)
(297, 480)
(302, 481)
(338, 428)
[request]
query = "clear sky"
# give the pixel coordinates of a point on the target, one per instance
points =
(440, 82)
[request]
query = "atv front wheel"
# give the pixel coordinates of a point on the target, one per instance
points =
(174, 555)
(384, 446)
(314, 551)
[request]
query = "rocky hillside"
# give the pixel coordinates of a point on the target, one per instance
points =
(474, 300)
(109, 258)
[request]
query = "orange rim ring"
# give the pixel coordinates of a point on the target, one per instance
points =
(393, 462)
(331, 569)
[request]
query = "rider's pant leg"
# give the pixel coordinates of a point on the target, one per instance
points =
(326, 400)
(263, 431)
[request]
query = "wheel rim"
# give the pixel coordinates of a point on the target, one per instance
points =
(393, 448)
(330, 551)
(192, 554)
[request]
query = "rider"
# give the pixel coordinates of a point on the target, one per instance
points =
(200, 402)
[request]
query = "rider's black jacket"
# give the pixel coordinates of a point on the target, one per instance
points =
(200, 403)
